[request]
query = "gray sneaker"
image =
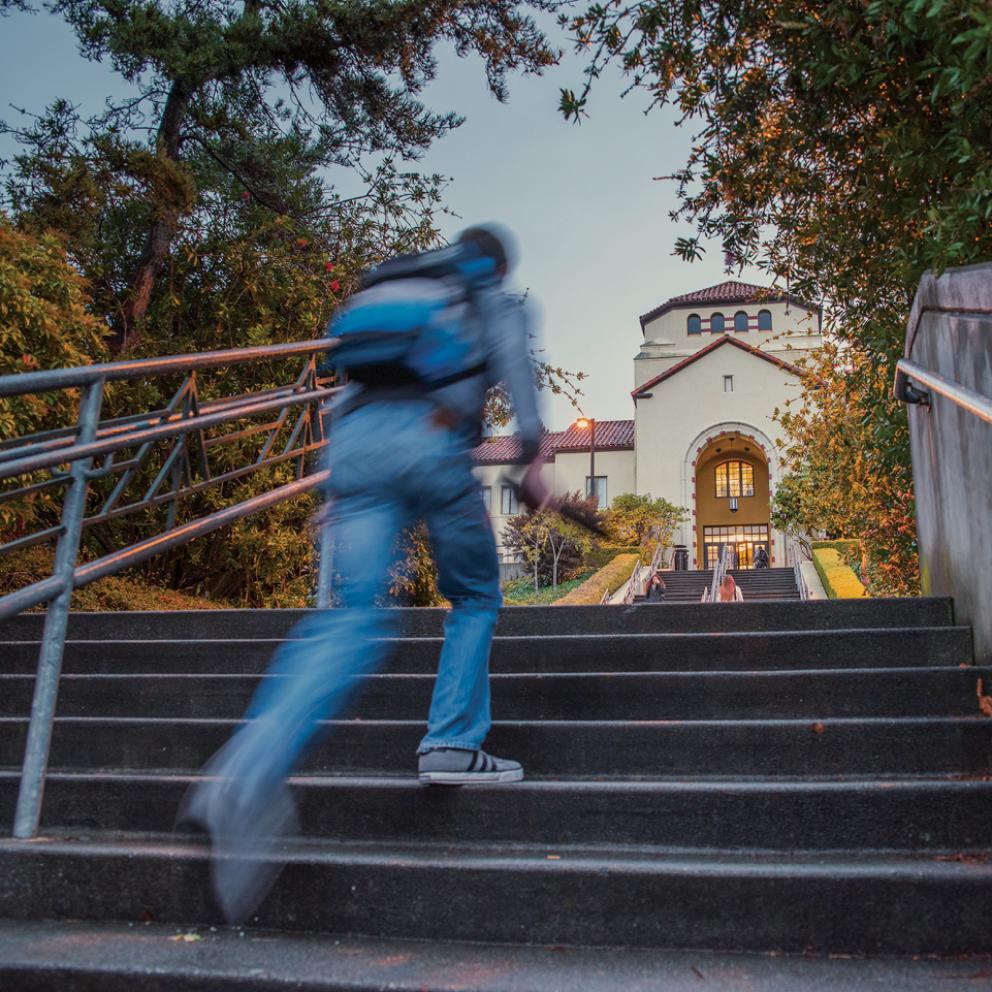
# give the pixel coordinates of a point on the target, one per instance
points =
(248, 843)
(454, 766)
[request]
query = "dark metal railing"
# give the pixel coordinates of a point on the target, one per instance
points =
(125, 450)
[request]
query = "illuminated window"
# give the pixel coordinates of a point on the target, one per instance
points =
(734, 479)
(694, 324)
(718, 323)
(764, 320)
(740, 321)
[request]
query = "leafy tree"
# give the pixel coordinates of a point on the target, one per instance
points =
(527, 534)
(44, 323)
(551, 544)
(413, 579)
(633, 518)
(224, 81)
(835, 483)
(843, 147)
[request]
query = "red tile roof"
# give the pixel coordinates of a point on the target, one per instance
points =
(726, 292)
(720, 341)
(617, 435)
(611, 435)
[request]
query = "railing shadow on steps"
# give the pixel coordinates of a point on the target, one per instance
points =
(291, 432)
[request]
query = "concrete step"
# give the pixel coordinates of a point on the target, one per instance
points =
(649, 748)
(514, 621)
(80, 956)
(885, 814)
(941, 691)
(868, 647)
(847, 903)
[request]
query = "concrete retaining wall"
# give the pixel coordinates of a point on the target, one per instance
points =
(950, 333)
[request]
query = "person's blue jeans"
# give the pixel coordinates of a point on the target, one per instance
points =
(390, 466)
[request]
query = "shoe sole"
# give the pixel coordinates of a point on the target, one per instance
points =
(471, 778)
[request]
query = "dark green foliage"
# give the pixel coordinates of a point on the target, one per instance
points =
(205, 212)
(244, 88)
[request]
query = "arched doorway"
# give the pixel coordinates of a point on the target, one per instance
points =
(732, 499)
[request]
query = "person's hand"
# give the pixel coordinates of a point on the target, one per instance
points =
(533, 490)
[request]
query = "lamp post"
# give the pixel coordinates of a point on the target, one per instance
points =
(589, 424)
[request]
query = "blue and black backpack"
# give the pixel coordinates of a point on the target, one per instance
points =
(408, 326)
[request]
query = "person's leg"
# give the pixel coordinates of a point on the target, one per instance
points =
(314, 672)
(244, 803)
(468, 577)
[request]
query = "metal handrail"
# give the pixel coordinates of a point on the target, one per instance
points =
(635, 577)
(794, 552)
(719, 571)
(296, 408)
(968, 399)
(45, 381)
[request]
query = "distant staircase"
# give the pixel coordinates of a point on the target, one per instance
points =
(755, 583)
(809, 777)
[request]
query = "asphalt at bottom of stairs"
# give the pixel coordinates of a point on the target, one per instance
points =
(84, 957)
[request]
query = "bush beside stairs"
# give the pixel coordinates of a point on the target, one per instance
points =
(779, 777)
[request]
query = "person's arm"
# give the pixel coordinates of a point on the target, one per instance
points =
(508, 337)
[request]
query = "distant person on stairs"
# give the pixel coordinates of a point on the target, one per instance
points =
(422, 344)
(761, 558)
(656, 589)
(729, 592)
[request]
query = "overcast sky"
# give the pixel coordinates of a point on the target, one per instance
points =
(593, 226)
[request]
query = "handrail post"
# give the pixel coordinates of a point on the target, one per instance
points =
(46, 687)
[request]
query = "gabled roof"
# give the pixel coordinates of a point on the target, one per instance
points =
(712, 346)
(726, 292)
(611, 435)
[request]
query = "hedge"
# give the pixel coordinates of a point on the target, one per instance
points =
(603, 555)
(846, 548)
(838, 579)
(610, 577)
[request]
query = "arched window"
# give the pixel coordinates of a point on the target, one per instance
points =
(718, 323)
(764, 320)
(694, 324)
(740, 321)
(734, 479)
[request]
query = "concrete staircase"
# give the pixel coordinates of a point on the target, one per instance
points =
(809, 777)
(755, 583)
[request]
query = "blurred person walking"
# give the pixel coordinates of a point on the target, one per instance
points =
(422, 343)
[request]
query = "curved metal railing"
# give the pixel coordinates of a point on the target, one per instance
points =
(127, 450)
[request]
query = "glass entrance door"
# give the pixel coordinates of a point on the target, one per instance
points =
(744, 539)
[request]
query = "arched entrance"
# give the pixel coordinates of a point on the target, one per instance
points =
(732, 499)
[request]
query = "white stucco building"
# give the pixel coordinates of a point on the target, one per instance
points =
(713, 366)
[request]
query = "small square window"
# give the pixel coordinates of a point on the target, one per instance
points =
(728, 383)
